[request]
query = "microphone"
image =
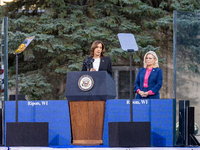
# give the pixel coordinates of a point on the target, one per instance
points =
(92, 60)
(85, 61)
(90, 63)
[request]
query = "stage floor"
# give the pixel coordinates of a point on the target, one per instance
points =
(102, 148)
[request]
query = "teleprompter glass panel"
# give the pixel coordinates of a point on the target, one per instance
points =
(187, 60)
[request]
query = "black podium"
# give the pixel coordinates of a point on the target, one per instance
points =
(87, 93)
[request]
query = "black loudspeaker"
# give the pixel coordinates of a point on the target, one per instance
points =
(20, 97)
(190, 138)
(129, 134)
(183, 104)
(189, 124)
(27, 134)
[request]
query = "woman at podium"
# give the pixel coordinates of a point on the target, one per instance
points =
(97, 60)
(149, 79)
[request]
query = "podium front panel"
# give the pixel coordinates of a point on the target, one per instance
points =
(104, 86)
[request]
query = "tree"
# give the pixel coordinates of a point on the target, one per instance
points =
(65, 29)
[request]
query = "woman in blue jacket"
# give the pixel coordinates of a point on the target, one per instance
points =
(149, 79)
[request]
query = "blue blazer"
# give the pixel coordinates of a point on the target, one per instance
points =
(154, 82)
(105, 65)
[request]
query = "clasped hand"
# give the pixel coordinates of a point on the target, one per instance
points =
(143, 94)
(92, 69)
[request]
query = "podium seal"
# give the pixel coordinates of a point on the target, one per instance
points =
(85, 82)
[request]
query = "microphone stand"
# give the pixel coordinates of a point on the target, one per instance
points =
(91, 61)
(86, 63)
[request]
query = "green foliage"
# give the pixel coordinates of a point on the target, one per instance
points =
(186, 5)
(187, 32)
(65, 29)
(32, 84)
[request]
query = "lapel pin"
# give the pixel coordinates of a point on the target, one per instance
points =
(102, 60)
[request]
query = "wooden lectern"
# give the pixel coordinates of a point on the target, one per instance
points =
(87, 93)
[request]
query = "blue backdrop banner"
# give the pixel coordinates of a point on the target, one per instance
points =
(160, 112)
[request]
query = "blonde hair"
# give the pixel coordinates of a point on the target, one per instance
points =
(156, 65)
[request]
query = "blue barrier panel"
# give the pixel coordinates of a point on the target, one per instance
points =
(54, 112)
(159, 112)
(162, 122)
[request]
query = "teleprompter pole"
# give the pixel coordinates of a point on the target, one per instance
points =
(16, 96)
(128, 43)
(131, 86)
(20, 49)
